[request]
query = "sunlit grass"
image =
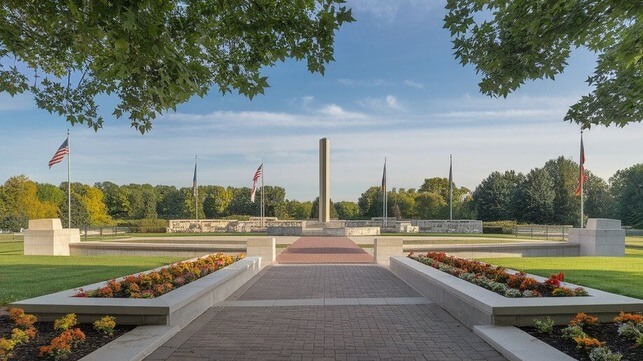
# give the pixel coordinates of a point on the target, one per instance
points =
(29, 276)
(622, 275)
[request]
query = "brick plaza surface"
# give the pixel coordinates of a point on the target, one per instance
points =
(324, 250)
(327, 281)
(338, 332)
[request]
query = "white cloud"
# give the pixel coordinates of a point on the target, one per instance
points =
(388, 102)
(389, 10)
(363, 83)
(413, 84)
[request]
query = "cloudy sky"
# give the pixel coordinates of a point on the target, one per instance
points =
(395, 91)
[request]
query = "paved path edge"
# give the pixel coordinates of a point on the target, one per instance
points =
(517, 345)
(134, 345)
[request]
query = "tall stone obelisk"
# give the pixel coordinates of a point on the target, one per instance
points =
(324, 180)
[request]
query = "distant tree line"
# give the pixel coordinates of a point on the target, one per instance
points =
(544, 196)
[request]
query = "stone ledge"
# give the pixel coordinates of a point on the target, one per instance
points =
(134, 345)
(473, 305)
(176, 308)
(517, 345)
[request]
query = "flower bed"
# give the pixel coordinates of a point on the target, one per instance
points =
(497, 279)
(584, 338)
(22, 338)
(157, 283)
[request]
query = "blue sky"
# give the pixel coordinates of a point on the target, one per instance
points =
(394, 90)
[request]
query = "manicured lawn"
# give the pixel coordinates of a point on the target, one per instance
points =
(24, 277)
(622, 275)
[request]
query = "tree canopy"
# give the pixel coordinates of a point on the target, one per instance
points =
(513, 41)
(154, 55)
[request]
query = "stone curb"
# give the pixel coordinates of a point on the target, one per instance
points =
(517, 345)
(134, 345)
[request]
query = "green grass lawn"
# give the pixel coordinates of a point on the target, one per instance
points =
(24, 277)
(622, 275)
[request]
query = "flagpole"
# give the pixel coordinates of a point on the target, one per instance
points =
(263, 207)
(582, 181)
(196, 191)
(68, 181)
(384, 210)
(450, 187)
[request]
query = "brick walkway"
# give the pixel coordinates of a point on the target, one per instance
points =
(325, 312)
(317, 250)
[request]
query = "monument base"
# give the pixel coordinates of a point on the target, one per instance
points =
(46, 237)
(601, 237)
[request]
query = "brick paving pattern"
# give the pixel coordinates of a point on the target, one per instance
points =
(315, 250)
(327, 281)
(339, 332)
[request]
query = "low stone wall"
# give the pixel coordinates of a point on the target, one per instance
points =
(448, 226)
(522, 249)
(351, 231)
(202, 225)
(150, 249)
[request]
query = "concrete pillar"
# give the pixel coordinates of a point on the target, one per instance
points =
(46, 237)
(266, 248)
(386, 247)
(324, 180)
(601, 237)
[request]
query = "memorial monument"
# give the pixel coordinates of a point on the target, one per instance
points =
(324, 180)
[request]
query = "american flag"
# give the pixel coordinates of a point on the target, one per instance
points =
(582, 176)
(60, 153)
(194, 183)
(255, 178)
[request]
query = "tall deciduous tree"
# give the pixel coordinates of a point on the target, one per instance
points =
(154, 55)
(627, 189)
(493, 197)
(564, 175)
(534, 199)
(513, 41)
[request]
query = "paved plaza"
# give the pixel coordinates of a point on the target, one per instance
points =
(325, 312)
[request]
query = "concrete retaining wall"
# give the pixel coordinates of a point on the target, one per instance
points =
(523, 249)
(473, 305)
(176, 308)
(150, 249)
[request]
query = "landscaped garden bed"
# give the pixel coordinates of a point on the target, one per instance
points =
(24, 339)
(498, 279)
(584, 338)
(156, 283)
(152, 307)
(474, 305)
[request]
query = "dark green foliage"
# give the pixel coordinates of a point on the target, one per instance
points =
(627, 189)
(494, 196)
(534, 199)
(155, 55)
(512, 42)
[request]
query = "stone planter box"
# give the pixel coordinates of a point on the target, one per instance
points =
(473, 305)
(175, 308)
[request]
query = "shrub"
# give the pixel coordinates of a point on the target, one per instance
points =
(604, 354)
(582, 320)
(105, 325)
(634, 318)
(60, 347)
(587, 343)
(571, 332)
(546, 326)
(66, 322)
(628, 331)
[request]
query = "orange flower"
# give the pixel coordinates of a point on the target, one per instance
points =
(634, 318)
(581, 319)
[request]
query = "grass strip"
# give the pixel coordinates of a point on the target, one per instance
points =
(24, 277)
(620, 275)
